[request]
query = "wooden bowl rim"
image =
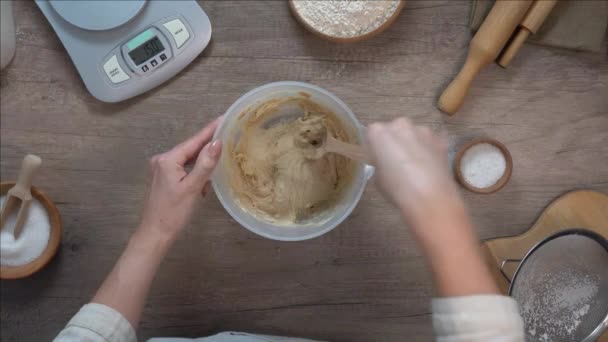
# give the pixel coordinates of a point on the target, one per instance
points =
(500, 183)
(368, 35)
(18, 272)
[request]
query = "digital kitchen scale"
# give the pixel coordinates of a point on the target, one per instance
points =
(123, 48)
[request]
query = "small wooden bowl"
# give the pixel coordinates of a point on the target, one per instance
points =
(500, 183)
(368, 35)
(17, 272)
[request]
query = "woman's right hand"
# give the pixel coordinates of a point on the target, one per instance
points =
(412, 170)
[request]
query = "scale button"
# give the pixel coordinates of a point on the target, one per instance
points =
(154, 63)
(163, 57)
(114, 71)
(144, 68)
(178, 30)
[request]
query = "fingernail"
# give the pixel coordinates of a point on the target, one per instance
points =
(215, 148)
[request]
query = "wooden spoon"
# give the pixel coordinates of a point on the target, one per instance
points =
(314, 135)
(20, 194)
(352, 151)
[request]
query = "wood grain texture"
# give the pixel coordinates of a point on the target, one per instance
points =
(364, 281)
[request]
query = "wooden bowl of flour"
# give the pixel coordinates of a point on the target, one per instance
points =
(329, 19)
(22, 271)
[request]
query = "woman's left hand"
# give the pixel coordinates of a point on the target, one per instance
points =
(173, 192)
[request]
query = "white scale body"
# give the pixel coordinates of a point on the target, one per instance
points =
(122, 48)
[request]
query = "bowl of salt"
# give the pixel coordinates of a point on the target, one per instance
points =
(38, 241)
(483, 165)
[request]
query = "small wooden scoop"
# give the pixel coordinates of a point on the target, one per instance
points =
(21, 192)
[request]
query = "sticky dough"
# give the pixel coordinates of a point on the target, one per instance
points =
(276, 170)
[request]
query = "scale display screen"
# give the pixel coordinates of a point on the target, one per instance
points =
(146, 50)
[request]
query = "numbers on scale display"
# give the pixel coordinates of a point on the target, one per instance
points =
(146, 50)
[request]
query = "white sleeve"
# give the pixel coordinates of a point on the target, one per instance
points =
(477, 318)
(97, 323)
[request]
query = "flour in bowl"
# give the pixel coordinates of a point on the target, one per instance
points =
(345, 18)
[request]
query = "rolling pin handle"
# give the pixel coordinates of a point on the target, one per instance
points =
(453, 96)
(514, 47)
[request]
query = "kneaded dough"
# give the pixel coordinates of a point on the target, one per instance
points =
(276, 170)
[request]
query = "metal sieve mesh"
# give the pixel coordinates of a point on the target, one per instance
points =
(562, 287)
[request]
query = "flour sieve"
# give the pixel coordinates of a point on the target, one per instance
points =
(561, 286)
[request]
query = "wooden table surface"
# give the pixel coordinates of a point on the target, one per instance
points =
(364, 281)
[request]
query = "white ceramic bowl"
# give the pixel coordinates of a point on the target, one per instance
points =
(229, 133)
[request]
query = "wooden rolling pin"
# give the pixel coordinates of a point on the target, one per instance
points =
(535, 17)
(485, 46)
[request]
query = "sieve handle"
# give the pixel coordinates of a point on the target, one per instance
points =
(502, 267)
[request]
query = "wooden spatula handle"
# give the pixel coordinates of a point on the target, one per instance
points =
(29, 166)
(352, 151)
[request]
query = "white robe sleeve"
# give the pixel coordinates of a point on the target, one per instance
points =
(97, 323)
(477, 318)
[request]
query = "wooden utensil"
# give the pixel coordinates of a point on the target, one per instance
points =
(20, 195)
(17, 272)
(500, 183)
(535, 17)
(352, 151)
(483, 49)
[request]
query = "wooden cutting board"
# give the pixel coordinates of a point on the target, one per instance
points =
(577, 209)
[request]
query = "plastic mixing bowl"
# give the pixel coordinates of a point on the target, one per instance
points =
(229, 133)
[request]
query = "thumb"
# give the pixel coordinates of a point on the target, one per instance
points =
(205, 164)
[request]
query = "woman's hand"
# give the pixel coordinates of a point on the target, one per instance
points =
(172, 195)
(412, 169)
(173, 192)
